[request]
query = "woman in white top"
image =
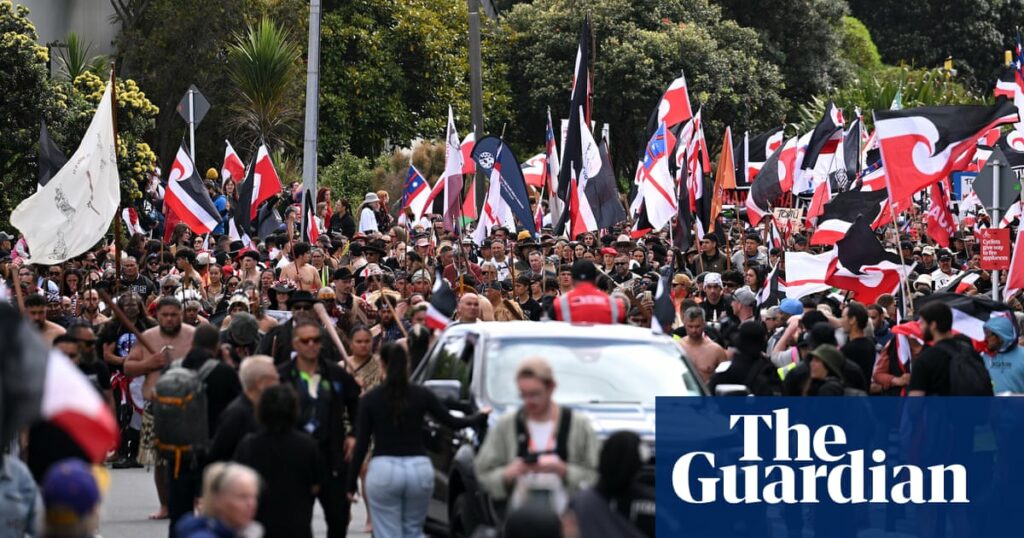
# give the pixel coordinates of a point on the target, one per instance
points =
(367, 219)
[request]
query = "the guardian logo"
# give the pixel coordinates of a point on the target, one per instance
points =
(817, 468)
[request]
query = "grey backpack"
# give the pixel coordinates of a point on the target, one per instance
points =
(180, 411)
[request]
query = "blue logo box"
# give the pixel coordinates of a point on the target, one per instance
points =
(840, 467)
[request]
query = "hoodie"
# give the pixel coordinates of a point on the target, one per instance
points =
(1006, 366)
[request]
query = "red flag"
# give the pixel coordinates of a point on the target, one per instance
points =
(822, 195)
(674, 107)
(1015, 277)
(70, 403)
(233, 168)
(266, 183)
(920, 146)
(466, 148)
(940, 221)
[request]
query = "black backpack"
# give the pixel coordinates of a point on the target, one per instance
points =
(967, 373)
(180, 411)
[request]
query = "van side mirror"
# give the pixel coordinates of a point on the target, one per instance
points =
(446, 390)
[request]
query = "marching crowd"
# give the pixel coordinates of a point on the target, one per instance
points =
(303, 352)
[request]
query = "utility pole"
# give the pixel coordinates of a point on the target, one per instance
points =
(312, 107)
(996, 165)
(476, 89)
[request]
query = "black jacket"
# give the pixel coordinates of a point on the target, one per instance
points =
(222, 385)
(237, 420)
(336, 420)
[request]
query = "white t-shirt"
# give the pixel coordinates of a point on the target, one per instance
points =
(542, 435)
(367, 220)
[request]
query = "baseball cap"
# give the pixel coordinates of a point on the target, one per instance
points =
(928, 251)
(831, 357)
(243, 330)
(343, 273)
(70, 492)
(792, 307)
(609, 251)
(713, 279)
(745, 297)
(421, 275)
(422, 242)
(584, 270)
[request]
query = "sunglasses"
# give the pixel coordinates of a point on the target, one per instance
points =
(301, 307)
(87, 341)
(308, 341)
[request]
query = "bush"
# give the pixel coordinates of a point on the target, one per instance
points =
(348, 177)
(857, 47)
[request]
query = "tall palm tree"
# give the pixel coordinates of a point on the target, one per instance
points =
(265, 70)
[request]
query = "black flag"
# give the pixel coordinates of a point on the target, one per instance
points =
(572, 152)
(51, 158)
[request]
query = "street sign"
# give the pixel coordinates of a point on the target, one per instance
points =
(1009, 189)
(200, 105)
(963, 184)
(995, 248)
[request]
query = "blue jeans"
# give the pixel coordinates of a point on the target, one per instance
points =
(398, 491)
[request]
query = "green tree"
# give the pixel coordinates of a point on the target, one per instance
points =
(640, 48)
(25, 100)
(171, 44)
(802, 37)
(75, 59)
(857, 47)
(76, 104)
(267, 78)
(349, 177)
(925, 32)
(390, 68)
(875, 91)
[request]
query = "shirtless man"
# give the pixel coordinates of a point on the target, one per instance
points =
(170, 340)
(248, 271)
(35, 310)
(91, 309)
(703, 352)
(300, 270)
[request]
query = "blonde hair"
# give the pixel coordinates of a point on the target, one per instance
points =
(217, 477)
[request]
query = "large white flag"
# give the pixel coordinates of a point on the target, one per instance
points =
(74, 210)
(452, 174)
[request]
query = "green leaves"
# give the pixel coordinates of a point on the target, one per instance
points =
(267, 76)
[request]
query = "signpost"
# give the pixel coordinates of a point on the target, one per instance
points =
(193, 108)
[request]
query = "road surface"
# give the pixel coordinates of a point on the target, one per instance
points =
(132, 497)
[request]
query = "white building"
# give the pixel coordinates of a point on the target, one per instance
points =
(90, 19)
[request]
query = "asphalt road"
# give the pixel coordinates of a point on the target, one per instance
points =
(132, 497)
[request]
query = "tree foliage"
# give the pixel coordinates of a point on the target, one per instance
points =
(349, 177)
(390, 68)
(25, 100)
(802, 37)
(857, 47)
(266, 75)
(172, 44)
(875, 91)
(925, 32)
(640, 48)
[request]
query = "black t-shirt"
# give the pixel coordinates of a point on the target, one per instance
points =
(222, 385)
(722, 308)
(930, 372)
(532, 309)
(141, 285)
(861, 351)
(98, 374)
(236, 421)
(290, 465)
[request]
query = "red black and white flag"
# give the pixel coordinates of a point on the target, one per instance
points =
(863, 266)
(920, 146)
(310, 231)
(826, 136)
(187, 196)
(579, 113)
(442, 305)
(970, 312)
(674, 107)
(753, 151)
(261, 184)
(765, 190)
(233, 168)
(1015, 276)
(840, 213)
(941, 225)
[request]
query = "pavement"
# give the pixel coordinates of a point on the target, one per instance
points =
(132, 497)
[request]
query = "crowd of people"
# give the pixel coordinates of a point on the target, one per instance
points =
(304, 352)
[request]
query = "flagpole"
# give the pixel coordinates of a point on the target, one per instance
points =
(908, 309)
(996, 165)
(117, 213)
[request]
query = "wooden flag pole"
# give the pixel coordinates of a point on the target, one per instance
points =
(117, 214)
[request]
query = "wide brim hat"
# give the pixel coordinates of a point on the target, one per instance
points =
(370, 198)
(301, 296)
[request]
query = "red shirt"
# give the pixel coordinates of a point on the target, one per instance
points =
(588, 304)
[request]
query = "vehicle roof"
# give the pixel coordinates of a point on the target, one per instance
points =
(559, 329)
